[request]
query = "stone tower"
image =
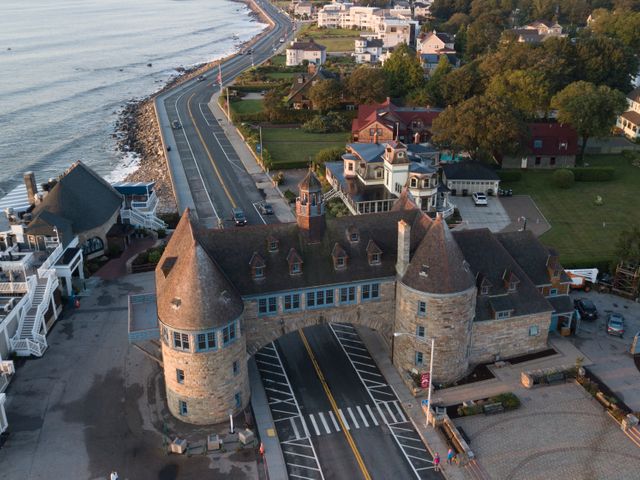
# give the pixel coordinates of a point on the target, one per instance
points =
(199, 315)
(310, 208)
(435, 298)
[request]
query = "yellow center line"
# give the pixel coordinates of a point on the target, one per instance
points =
(224, 186)
(334, 407)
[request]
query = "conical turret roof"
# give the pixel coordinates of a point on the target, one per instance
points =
(438, 266)
(192, 291)
(310, 182)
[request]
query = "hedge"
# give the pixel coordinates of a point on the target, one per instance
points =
(289, 165)
(563, 178)
(593, 174)
(509, 175)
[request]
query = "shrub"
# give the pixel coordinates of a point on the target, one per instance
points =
(162, 233)
(563, 178)
(329, 123)
(171, 219)
(328, 155)
(509, 175)
(114, 251)
(593, 174)
(290, 196)
(465, 411)
(154, 256)
(509, 400)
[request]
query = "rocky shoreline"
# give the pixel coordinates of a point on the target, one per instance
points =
(137, 129)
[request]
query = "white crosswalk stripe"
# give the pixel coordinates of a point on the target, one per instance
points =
(324, 422)
(354, 417)
(364, 420)
(315, 425)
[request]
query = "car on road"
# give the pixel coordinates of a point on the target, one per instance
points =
(238, 217)
(201, 78)
(479, 199)
(615, 324)
(265, 209)
(586, 308)
(175, 124)
(282, 40)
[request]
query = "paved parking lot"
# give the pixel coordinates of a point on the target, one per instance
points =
(493, 216)
(612, 362)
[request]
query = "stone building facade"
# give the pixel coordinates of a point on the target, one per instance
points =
(224, 294)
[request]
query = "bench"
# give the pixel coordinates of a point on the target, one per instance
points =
(555, 378)
(491, 408)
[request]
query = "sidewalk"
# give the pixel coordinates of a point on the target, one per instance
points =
(431, 438)
(263, 182)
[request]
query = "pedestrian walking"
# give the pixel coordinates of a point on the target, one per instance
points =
(436, 462)
(450, 456)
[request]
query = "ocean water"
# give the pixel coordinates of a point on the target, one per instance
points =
(68, 66)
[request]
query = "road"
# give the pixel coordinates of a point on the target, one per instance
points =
(215, 180)
(335, 415)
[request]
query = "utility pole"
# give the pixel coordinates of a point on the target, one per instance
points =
(228, 106)
(261, 156)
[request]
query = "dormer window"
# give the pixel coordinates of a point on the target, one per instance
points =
(353, 234)
(295, 262)
(257, 266)
(511, 281)
(483, 283)
(272, 244)
(414, 182)
(167, 265)
(339, 256)
(374, 253)
(400, 154)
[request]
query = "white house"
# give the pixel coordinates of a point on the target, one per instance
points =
(394, 31)
(629, 121)
(368, 50)
(311, 51)
(435, 42)
(538, 31)
(304, 10)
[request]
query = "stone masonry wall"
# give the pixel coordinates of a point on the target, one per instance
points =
(376, 314)
(448, 320)
(508, 337)
(210, 385)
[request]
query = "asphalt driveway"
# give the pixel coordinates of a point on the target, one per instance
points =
(493, 216)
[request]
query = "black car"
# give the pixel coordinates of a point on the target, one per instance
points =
(238, 217)
(586, 309)
(265, 209)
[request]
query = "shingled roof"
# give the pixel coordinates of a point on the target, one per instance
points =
(192, 292)
(438, 265)
(80, 200)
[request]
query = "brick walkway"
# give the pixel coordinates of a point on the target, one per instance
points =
(117, 267)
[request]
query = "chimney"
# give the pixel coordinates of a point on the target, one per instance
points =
(32, 188)
(404, 243)
(416, 137)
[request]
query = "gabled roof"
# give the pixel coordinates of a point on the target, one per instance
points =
(368, 152)
(634, 95)
(338, 251)
(195, 294)
(438, 265)
(387, 113)
(310, 46)
(372, 248)
(632, 116)
(469, 171)
(80, 199)
(310, 182)
(442, 36)
(556, 138)
(307, 80)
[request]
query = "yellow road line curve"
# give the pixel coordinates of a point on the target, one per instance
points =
(334, 407)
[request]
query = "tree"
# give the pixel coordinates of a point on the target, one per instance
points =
(485, 127)
(403, 71)
(591, 110)
(328, 155)
(604, 60)
(325, 94)
(367, 85)
(462, 84)
(556, 60)
(621, 24)
(433, 88)
(483, 34)
(272, 102)
(563, 178)
(526, 90)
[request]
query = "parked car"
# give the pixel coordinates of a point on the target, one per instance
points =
(586, 308)
(615, 324)
(265, 209)
(175, 124)
(201, 78)
(238, 217)
(480, 199)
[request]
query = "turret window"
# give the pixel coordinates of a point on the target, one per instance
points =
(181, 341)
(420, 331)
(422, 309)
(229, 334)
(179, 375)
(182, 406)
(206, 341)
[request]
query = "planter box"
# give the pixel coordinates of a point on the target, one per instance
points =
(213, 442)
(179, 445)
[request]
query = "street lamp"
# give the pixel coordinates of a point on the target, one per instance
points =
(433, 346)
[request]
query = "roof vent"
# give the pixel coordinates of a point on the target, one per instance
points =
(225, 296)
(424, 271)
(175, 303)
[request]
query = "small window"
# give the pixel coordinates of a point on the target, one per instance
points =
(375, 259)
(339, 262)
(179, 375)
(513, 286)
(229, 333)
(258, 272)
(206, 341)
(484, 290)
(552, 161)
(236, 368)
(422, 309)
(502, 315)
(420, 331)
(182, 405)
(292, 302)
(350, 166)
(414, 182)
(534, 331)
(347, 294)
(538, 160)
(273, 246)
(267, 305)
(181, 341)
(238, 398)
(354, 237)
(553, 292)
(537, 143)
(419, 359)
(295, 267)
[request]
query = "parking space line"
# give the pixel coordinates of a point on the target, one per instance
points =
(300, 476)
(298, 454)
(393, 417)
(296, 432)
(304, 466)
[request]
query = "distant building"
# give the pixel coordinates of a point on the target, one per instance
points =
(304, 10)
(368, 50)
(224, 294)
(430, 61)
(435, 42)
(298, 97)
(385, 122)
(550, 145)
(538, 31)
(629, 121)
(312, 52)
(468, 177)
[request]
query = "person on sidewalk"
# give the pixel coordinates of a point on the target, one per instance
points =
(450, 456)
(436, 462)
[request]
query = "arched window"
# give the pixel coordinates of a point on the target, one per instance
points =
(414, 182)
(92, 245)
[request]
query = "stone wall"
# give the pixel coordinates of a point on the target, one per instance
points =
(210, 385)
(376, 314)
(448, 320)
(508, 337)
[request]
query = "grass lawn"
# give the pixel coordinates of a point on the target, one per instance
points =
(279, 60)
(247, 106)
(583, 232)
(335, 39)
(294, 145)
(281, 75)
